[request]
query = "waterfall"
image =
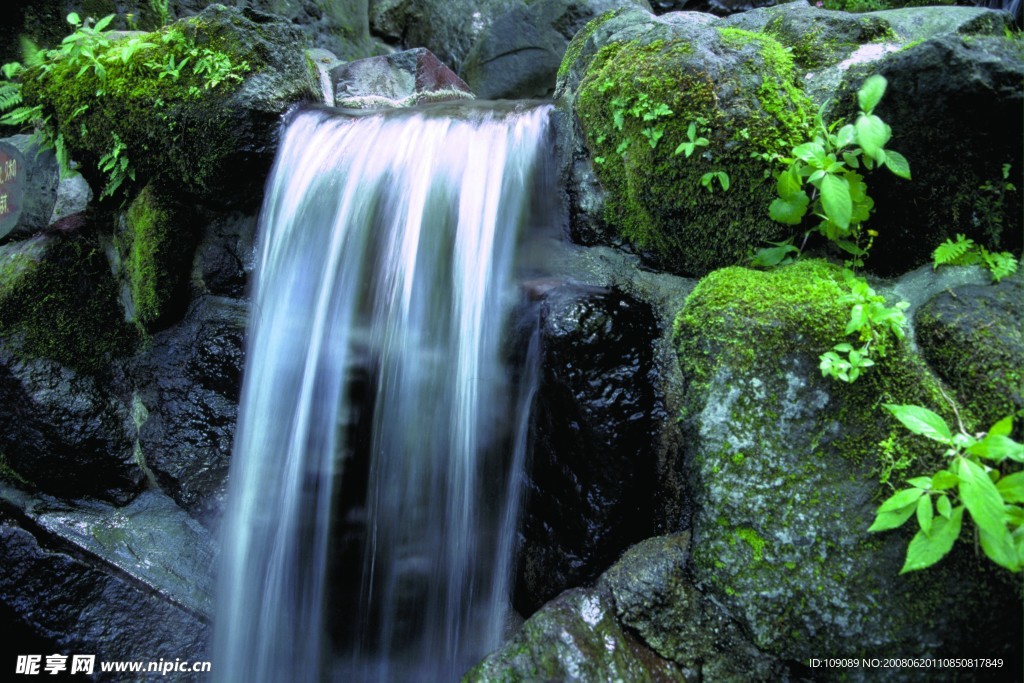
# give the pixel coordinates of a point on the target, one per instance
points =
(371, 501)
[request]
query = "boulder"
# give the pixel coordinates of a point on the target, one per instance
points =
(785, 472)
(517, 56)
(396, 80)
(575, 637)
(971, 337)
(642, 88)
(213, 138)
(597, 419)
(45, 586)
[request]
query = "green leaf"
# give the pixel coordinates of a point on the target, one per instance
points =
(1011, 487)
(925, 550)
(811, 152)
(845, 138)
(901, 499)
(872, 134)
(892, 519)
(982, 498)
(870, 94)
(1000, 548)
(835, 198)
(789, 183)
(921, 482)
(1002, 428)
(998, 448)
(897, 163)
(789, 210)
(858, 318)
(925, 514)
(921, 421)
(74, 20)
(943, 506)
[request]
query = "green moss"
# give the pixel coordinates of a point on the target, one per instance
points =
(576, 45)
(64, 307)
(754, 540)
(156, 250)
(170, 127)
(654, 197)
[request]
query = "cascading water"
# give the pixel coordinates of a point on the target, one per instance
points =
(378, 425)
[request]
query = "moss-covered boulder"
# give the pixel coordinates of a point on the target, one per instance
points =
(785, 473)
(196, 104)
(972, 337)
(677, 117)
(59, 301)
(575, 637)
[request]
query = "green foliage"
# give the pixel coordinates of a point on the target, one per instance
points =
(161, 12)
(965, 252)
(875, 326)
(982, 478)
(707, 180)
(639, 106)
(692, 142)
(823, 179)
(92, 59)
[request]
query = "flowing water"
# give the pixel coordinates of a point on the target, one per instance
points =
(373, 488)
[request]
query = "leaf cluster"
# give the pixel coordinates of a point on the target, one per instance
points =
(823, 176)
(983, 479)
(640, 107)
(965, 252)
(875, 326)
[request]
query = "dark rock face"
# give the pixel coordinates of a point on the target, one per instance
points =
(186, 403)
(44, 589)
(720, 7)
(396, 80)
(40, 177)
(65, 433)
(518, 55)
(656, 600)
(597, 415)
(955, 108)
(575, 638)
(972, 337)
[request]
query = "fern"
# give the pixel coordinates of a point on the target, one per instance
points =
(964, 252)
(10, 95)
(1000, 264)
(959, 253)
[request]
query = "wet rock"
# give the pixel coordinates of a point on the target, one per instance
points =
(63, 432)
(574, 638)
(972, 337)
(226, 255)
(655, 599)
(597, 414)
(396, 80)
(186, 403)
(45, 587)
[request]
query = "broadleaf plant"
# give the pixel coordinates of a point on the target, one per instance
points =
(982, 478)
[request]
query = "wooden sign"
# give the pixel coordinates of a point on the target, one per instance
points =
(12, 186)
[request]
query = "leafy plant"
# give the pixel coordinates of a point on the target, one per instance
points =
(965, 252)
(117, 167)
(639, 107)
(692, 142)
(707, 180)
(976, 480)
(822, 175)
(874, 324)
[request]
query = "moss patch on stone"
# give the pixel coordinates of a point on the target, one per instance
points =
(156, 248)
(748, 105)
(64, 306)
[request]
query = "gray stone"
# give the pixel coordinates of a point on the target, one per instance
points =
(39, 179)
(73, 196)
(517, 56)
(396, 80)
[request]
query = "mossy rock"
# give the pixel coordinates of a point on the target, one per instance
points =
(212, 139)
(785, 468)
(156, 244)
(972, 337)
(637, 98)
(575, 637)
(58, 300)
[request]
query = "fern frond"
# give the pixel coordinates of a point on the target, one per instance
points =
(10, 95)
(1000, 264)
(952, 253)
